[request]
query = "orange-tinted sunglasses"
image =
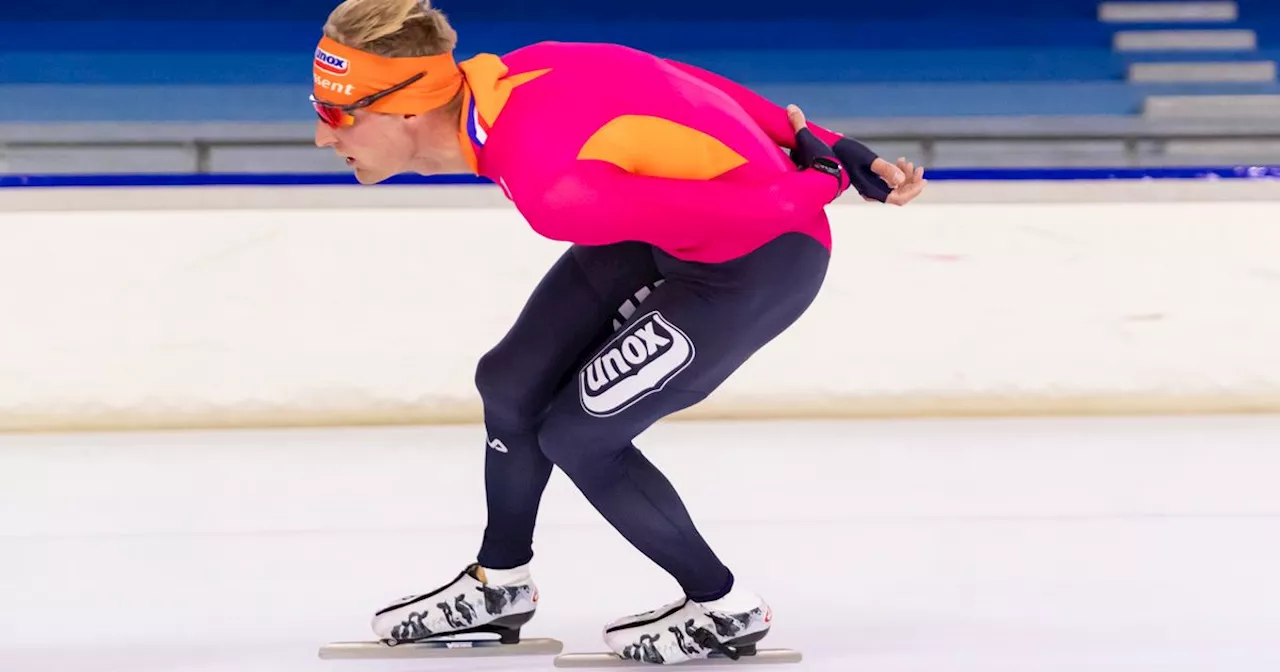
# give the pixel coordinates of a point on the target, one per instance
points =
(336, 116)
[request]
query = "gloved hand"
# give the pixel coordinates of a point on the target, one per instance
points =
(872, 176)
(811, 152)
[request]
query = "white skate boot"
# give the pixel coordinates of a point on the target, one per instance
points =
(460, 619)
(464, 606)
(686, 630)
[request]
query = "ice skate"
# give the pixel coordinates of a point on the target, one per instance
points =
(687, 632)
(466, 617)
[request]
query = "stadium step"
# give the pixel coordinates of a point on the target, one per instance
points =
(1257, 106)
(1158, 12)
(1218, 73)
(1185, 40)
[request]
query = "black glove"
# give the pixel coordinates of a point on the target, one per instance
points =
(810, 152)
(853, 155)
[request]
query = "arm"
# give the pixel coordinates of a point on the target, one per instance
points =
(772, 119)
(597, 203)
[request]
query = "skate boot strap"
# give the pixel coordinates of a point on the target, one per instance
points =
(707, 640)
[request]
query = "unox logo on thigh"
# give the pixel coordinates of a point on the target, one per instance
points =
(639, 361)
(332, 64)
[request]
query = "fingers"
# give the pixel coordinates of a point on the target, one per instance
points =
(903, 196)
(796, 116)
(909, 170)
(914, 174)
(917, 173)
(911, 187)
(891, 174)
(909, 191)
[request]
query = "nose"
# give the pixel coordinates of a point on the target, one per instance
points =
(324, 135)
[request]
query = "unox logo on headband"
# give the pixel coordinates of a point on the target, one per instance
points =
(330, 63)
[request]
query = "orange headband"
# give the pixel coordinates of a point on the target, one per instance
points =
(344, 75)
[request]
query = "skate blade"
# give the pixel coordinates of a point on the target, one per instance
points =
(463, 648)
(761, 657)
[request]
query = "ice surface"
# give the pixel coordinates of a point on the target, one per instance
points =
(924, 546)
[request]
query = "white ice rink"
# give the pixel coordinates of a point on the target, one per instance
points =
(940, 546)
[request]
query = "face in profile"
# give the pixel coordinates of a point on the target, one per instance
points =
(375, 146)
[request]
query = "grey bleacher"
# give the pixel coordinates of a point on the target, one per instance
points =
(1139, 84)
(1221, 111)
(1159, 138)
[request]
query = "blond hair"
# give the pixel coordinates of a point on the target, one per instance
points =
(393, 28)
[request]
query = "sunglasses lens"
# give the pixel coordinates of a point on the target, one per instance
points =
(331, 116)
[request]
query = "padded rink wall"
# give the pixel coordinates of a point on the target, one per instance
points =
(141, 308)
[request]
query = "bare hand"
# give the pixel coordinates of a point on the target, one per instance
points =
(905, 179)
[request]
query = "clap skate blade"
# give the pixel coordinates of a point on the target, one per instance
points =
(448, 646)
(748, 655)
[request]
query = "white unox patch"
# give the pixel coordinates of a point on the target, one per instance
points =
(332, 63)
(639, 361)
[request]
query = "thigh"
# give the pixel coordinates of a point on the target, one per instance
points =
(569, 311)
(686, 339)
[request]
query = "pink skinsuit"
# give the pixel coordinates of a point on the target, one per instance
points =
(611, 144)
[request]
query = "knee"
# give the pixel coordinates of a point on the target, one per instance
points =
(576, 445)
(510, 395)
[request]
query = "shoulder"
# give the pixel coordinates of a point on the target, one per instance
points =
(602, 66)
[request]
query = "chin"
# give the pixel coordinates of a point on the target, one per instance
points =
(369, 177)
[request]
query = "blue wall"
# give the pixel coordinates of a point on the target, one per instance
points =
(552, 10)
(938, 57)
(542, 10)
(896, 34)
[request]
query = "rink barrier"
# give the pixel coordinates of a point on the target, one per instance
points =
(1243, 172)
(335, 306)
